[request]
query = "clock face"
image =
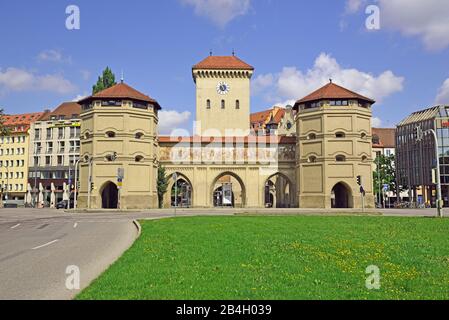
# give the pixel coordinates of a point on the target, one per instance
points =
(223, 88)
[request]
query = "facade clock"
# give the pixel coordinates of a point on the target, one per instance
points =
(223, 88)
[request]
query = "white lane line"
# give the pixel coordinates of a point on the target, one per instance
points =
(45, 245)
(16, 226)
(75, 225)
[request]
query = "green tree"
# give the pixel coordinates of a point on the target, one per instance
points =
(162, 185)
(105, 81)
(385, 174)
(4, 131)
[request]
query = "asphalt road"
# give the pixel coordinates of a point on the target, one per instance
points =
(37, 246)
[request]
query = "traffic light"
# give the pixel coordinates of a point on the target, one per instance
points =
(359, 180)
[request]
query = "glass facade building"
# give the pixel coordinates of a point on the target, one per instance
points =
(416, 159)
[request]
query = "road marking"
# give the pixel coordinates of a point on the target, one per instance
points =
(75, 225)
(16, 226)
(45, 245)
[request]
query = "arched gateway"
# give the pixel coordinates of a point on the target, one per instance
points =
(109, 196)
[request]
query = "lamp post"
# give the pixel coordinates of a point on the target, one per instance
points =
(75, 200)
(89, 188)
(420, 134)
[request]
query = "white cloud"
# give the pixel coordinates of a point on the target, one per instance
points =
(170, 120)
(291, 83)
(376, 122)
(53, 56)
(261, 82)
(80, 97)
(14, 79)
(428, 20)
(443, 93)
(219, 12)
(353, 6)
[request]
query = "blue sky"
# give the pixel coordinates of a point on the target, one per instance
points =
(295, 46)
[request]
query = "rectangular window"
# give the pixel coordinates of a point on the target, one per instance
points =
(48, 160)
(223, 104)
(60, 160)
(49, 133)
(237, 104)
(208, 104)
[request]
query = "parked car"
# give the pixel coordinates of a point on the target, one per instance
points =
(64, 204)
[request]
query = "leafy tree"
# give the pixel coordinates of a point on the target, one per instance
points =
(4, 131)
(162, 185)
(385, 174)
(105, 81)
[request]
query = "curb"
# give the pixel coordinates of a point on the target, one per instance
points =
(139, 228)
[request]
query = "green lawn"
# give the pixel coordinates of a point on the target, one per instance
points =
(288, 257)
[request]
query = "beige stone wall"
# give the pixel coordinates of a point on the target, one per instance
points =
(318, 145)
(217, 121)
(139, 185)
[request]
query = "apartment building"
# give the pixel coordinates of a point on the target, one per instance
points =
(14, 147)
(54, 149)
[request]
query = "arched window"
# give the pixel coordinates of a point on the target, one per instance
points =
(312, 159)
(237, 104)
(208, 104)
(139, 135)
(110, 134)
(340, 135)
(311, 136)
(139, 159)
(223, 104)
(340, 158)
(363, 136)
(364, 158)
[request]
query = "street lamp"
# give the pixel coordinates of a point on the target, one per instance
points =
(420, 135)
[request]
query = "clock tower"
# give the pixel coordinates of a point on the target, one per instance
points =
(222, 96)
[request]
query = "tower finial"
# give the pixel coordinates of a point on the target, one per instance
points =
(122, 78)
(233, 52)
(210, 52)
(330, 80)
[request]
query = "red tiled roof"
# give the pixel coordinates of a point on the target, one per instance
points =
(262, 118)
(387, 137)
(247, 139)
(121, 91)
(68, 110)
(223, 62)
(332, 91)
(20, 123)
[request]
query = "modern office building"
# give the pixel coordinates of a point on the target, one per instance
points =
(54, 150)
(14, 155)
(416, 159)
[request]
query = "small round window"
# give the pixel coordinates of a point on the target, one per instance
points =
(110, 134)
(139, 159)
(139, 135)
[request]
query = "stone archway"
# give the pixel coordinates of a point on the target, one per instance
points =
(228, 190)
(341, 196)
(109, 196)
(184, 192)
(278, 191)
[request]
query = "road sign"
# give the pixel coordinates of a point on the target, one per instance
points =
(120, 174)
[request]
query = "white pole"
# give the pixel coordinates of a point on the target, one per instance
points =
(439, 200)
(75, 200)
(89, 183)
